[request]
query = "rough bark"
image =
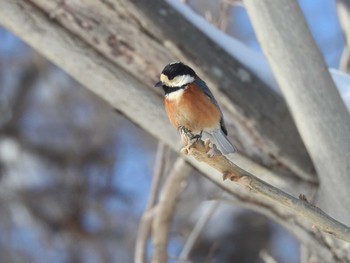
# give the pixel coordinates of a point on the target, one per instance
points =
(315, 104)
(141, 37)
(302, 207)
(124, 90)
(110, 82)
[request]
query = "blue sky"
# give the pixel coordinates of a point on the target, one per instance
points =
(134, 177)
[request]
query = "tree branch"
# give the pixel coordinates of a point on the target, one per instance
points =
(114, 85)
(166, 208)
(145, 225)
(137, 38)
(316, 106)
(121, 90)
(343, 8)
(199, 226)
(311, 238)
(202, 152)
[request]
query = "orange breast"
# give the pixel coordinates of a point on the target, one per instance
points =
(193, 110)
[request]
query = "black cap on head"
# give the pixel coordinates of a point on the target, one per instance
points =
(177, 69)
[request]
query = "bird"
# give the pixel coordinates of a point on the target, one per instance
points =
(191, 106)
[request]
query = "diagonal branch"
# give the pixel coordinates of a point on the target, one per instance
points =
(202, 152)
(132, 98)
(314, 101)
(145, 225)
(138, 38)
(198, 228)
(165, 209)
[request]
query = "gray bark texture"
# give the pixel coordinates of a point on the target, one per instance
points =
(316, 106)
(117, 50)
(141, 37)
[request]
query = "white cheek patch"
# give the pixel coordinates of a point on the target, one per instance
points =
(179, 81)
(175, 95)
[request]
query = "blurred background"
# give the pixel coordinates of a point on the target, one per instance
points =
(75, 175)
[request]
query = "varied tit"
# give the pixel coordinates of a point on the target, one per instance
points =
(190, 105)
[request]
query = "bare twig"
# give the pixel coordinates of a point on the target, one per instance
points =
(146, 220)
(90, 44)
(294, 223)
(159, 168)
(201, 223)
(201, 151)
(266, 257)
(25, 84)
(166, 208)
(343, 8)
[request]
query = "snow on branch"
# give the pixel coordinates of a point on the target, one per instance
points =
(257, 62)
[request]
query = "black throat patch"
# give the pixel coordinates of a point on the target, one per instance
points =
(168, 90)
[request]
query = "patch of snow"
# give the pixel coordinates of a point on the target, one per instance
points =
(253, 60)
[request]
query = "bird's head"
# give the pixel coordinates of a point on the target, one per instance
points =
(176, 75)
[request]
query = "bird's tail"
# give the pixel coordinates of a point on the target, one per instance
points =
(222, 143)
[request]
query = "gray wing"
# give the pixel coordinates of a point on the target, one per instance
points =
(207, 92)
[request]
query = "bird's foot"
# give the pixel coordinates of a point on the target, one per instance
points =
(188, 138)
(195, 138)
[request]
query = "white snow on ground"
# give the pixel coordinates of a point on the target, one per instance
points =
(253, 60)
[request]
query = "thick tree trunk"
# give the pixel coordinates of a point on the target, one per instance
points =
(316, 106)
(86, 39)
(131, 97)
(141, 37)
